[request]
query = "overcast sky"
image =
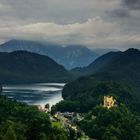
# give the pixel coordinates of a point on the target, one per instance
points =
(95, 23)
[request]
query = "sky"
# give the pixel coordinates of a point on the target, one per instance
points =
(94, 23)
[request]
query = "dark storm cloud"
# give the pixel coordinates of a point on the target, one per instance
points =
(132, 4)
(121, 12)
(126, 8)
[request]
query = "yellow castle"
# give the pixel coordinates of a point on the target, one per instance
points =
(109, 101)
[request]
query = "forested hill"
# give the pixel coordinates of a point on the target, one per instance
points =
(124, 66)
(23, 66)
(116, 73)
(113, 60)
(116, 62)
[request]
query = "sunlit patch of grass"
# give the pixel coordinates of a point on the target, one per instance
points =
(57, 124)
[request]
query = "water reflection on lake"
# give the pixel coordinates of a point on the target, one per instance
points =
(37, 94)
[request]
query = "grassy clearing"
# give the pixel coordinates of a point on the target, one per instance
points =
(57, 124)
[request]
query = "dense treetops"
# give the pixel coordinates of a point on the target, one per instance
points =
(121, 122)
(85, 93)
(23, 122)
(117, 123)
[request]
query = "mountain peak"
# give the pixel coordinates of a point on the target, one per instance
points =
(133, 51)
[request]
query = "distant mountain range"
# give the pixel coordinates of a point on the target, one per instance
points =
(102, 51)
(114, 62)
(70, 57)
(23, 67)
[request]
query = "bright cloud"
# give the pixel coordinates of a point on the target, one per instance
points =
(95, 23)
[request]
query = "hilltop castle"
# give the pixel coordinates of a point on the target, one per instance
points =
(109, 101)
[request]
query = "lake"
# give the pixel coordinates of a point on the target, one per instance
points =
(35, 94)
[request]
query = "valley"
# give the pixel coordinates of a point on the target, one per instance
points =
(31, 79)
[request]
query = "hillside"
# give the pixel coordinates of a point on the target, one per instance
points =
(102, 51)
(116, 61)
(98, 65)
(23, 66)
(77, 56)
(117, 123)
(70, 56)
(123, 66)
(115, 73)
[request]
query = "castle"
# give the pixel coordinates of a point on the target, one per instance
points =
(109, 101)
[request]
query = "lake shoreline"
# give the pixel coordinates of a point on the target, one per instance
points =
(35, 93)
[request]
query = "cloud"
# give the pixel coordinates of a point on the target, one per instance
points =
(58, 11)
(126, 9)
(121, 12)
(64, 34)
(94, 32)
(91, 22)
(132, 4)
